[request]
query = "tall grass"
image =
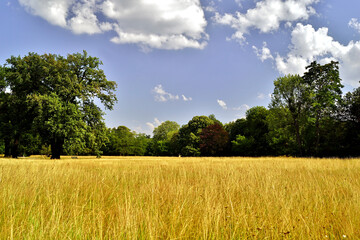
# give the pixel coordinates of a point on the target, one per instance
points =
(179, 198)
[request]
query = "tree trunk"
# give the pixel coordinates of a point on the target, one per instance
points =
(7, 147)
(298, 138)
(317, 127)
(14, 148)
(56, 148)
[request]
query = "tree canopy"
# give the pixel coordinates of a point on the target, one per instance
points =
(55, 96)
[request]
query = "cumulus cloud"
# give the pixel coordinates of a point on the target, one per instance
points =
(264, 53)
(54, 12)
(354, 24)
(162, 96)
(222, 104)
(152, 125)
(308, 44)
(160, 24)
(266, 16)
(186, 99)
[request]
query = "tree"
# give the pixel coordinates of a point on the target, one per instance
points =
(214, 140)
(162, 136)
(235, 128)
(121, 141)
(257, 129)
(165, 130)
(189, 139)
(324, 93)
(55, 96)
(351, 119)
(290, 92)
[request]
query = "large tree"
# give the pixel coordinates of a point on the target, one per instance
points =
(188, 139)
(324, 91)
(56, 95)
(214, 140)
(291, 95)
(162, 138)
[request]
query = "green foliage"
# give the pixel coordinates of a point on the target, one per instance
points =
(189, 135)
(235, 128)
(54, 96)
(165, 130)
(281, 136)
(161, 141)
(324, 91)
(123, 142)
(242, 146)
(292, 94)
(257, 128)
(2, 146)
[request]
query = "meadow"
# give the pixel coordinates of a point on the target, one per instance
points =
(179, 198)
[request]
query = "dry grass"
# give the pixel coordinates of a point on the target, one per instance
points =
(179, 198)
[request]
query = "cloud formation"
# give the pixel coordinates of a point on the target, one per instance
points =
(354, 23)
(152, 125)
(266, 16)
(162, 96)
(308, 44)
(159, 24)
(222, 104)
(264, 53)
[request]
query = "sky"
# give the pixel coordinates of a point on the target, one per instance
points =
(176, 59)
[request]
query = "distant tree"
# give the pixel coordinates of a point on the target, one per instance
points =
(324, 91)
(165, 130)
(351, 119)
(291, 92)
(281, 137)
(188, 138)
(214, 140)
(235, 128)
(257, 130)
(121, 141)
(162, 135)
(54, 96)
(243, 146)
(142, 142)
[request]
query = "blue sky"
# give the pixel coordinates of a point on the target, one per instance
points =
(175, 59)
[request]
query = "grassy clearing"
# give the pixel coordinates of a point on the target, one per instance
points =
(179, 198)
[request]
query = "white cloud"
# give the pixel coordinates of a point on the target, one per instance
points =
(162, 96)
(160, 24)
(211, 7)
(152, 125)
(85, 20)
(54, 12)
(266, 16)
(308, 44)
(186, 99)
(354, 24)
(222, 104)
(264, 53)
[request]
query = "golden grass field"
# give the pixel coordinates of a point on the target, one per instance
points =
(179, 198)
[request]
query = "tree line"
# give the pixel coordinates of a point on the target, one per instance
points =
(47, 106)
